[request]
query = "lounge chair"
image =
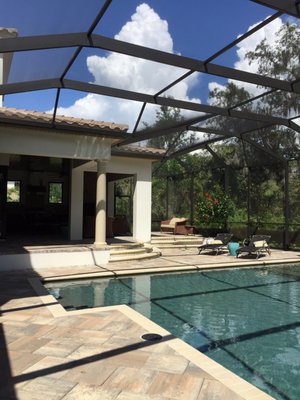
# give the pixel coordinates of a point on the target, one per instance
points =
(171, 225)
(257, 245)
(219, 243)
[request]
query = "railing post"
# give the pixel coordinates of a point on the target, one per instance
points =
(248, 201)
(286, 241)
(167, 197)
(192, 201)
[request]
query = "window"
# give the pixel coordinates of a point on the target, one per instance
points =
(55, 193)
(13, 191)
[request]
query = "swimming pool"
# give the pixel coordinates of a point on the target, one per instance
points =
(246, 319)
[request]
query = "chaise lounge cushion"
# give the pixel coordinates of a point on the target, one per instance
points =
(217, 241)
(173, 222)
(260, 243)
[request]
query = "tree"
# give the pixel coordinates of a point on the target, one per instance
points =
(265, 177)
(165, 117)
(279, 60)
(229, 96)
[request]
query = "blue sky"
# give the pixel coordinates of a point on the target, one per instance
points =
(192, 28)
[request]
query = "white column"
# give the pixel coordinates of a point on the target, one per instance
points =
(100, 222)
(76, 209)
(142, 206)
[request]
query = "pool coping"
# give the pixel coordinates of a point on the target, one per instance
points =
(229, 379)
(178, 268)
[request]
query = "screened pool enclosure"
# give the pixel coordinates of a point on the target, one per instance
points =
(219, 95)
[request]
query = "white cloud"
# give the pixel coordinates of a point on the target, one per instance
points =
(145, 28)
(249, 44)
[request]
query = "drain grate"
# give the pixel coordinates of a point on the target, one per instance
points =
(151, 337)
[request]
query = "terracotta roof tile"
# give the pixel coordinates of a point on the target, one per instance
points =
(8, 32)
(18, 114)
(22, 115)
(150, 151)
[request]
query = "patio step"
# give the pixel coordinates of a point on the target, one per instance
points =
(173, 241)
(126, 246)
(137, 252)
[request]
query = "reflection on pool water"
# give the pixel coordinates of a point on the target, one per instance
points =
(246, 319)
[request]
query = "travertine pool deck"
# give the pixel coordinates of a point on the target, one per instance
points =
(48, 353)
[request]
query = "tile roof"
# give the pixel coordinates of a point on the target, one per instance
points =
(18, 115)
(24, 116)
(138, 150)
(8, 32)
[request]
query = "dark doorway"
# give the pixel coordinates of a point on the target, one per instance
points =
(121, 222)
(37, 197)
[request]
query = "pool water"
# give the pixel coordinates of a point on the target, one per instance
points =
(248, 320)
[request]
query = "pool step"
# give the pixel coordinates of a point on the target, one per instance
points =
(141, 252)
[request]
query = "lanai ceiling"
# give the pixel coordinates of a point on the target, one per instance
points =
(62, 49)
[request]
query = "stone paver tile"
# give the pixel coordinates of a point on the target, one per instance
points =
(42, 319)
(27, 344)
(124, 395)
(59, 332)
(15, 316)
(22, 306)
(214, 390)
(94, 373)
(68, 322)
(92, 336)
(45, 388)
(20, 361)
(53, 367)
(117, 326)
(26, 328)
(131, 332)
(13, 328)
(58, 348)
(130, 379)
(179, 387)
(93, 323)
(86, 350)
(167, 363)
(38, 329)
(115, 355)
(124, 344)
(8, 339)
(134, 359)
(91, 392)
(158, 348)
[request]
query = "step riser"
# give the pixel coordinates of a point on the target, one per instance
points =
(176, 237)
(125, 247)
(135, 252)
(179, 243)
(179, 246)
(146, 256)
(121, 252)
